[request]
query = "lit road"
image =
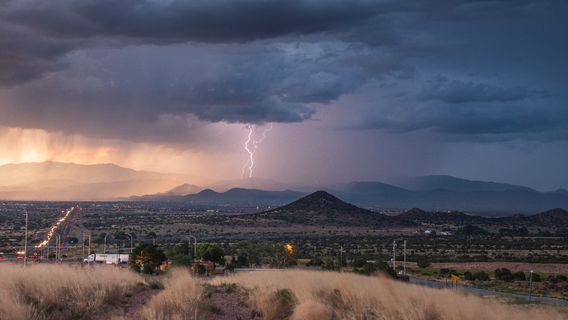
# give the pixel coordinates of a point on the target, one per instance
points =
(61, 228)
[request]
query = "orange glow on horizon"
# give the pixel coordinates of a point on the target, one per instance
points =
(35, 145)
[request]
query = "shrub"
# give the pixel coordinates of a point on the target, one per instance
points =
(481, 276)
(504, 274)
(520, 276)
(552, 279)
(423, 263)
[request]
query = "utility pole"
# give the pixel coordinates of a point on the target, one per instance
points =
(83, 245)
(57, 248)
(315, 254)
(194, 245)
(404, 261)
(394, 255)
(340, 257)
(131, 242)
(26, 240)
(105, 245)
(89, 251)
(530, 286)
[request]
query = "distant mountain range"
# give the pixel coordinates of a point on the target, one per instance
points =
(68, 181)
(432, 193)
(232, 197)
(442, 193)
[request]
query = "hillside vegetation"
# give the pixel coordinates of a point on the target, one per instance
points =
(63, 292)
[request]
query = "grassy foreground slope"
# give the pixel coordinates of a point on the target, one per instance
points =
(63, 292)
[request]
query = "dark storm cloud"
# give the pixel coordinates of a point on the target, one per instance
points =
(207, 21)
(458, 91)
(35, 33)
(137, 69)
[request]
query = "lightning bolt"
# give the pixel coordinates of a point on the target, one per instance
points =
(251, 145)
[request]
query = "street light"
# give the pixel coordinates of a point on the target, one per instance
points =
(530, 286)
(26, 239)
(394, 255)
(131, 241)
(105, 246)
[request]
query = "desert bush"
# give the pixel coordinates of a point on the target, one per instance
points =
(178, 300)
(519, 275)
(481, 276)
(61, 291)
(423, 262)
(504, 274)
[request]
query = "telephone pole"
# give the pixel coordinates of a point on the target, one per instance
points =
(394, 255)
(404, 261)
(26, 239)
(530, 286)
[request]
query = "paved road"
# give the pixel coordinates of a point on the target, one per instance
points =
(486, 292)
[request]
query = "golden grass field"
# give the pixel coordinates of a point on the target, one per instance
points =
(64, 292)
(61, 291)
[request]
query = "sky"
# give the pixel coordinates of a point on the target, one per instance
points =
(342, 90)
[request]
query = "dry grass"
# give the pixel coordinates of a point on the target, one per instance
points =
(61, 292)
(327, 295)
(178, 301)
(64, 292)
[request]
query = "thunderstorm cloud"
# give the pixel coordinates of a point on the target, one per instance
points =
(155, 70)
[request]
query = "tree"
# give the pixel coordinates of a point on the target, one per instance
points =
(146, 258)
(473, 230)
(211, 252)
(254, 252)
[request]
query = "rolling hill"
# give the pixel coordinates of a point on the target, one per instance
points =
(322, 208)
(241, 197)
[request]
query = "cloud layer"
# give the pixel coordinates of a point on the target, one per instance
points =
(151, 70)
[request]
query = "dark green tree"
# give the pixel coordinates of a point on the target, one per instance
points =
(146, 258)
(211, 252)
